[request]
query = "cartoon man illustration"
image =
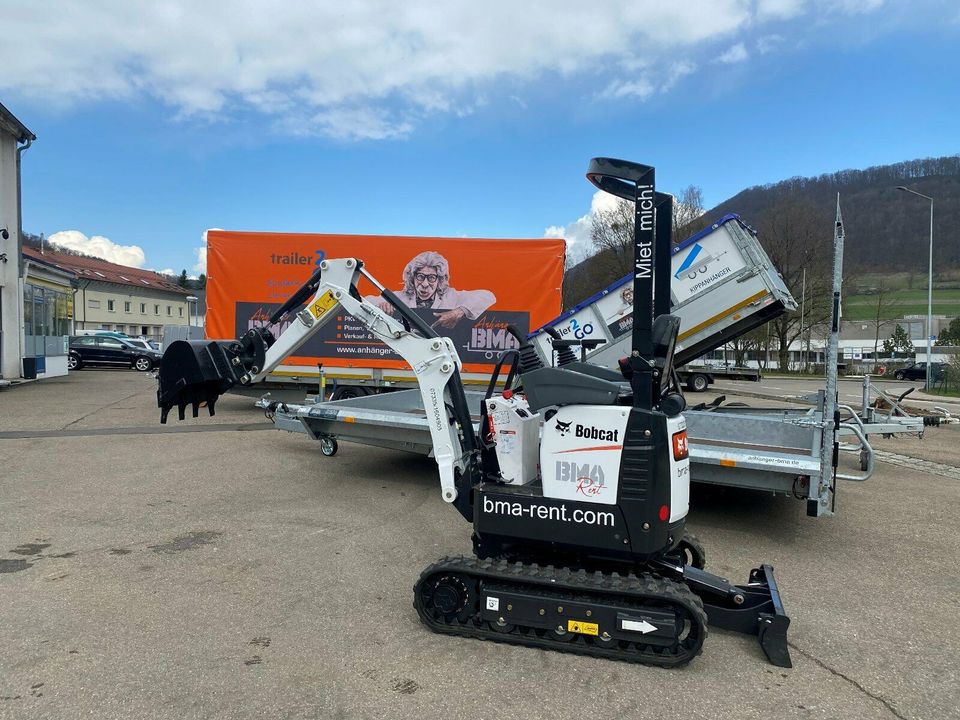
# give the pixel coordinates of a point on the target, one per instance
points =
(626, 295)
(426, 284)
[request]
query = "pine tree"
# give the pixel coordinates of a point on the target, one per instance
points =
(899, 341)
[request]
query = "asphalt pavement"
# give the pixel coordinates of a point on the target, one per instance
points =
(849, 390)
(218, 568)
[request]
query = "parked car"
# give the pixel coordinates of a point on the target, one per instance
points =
(918, 371)
(108, 351)
(140, 343)
(110, 333)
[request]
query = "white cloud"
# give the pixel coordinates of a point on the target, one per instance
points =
(201, 265)
(577, 233)
(676, 71)
(201, 254)
(780, 9)
(769, 43)
(99, 246)
(852, 7)
(737, 53)
(370, 70)
(641, 88)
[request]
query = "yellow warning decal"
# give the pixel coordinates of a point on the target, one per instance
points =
(323, 303)
(584, 628)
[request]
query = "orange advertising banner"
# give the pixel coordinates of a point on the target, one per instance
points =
(469, 289)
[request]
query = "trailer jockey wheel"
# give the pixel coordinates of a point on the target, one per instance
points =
(329, 446)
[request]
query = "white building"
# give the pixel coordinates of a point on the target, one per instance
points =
(139, 303)
(14, 139)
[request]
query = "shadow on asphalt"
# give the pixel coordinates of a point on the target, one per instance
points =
(750, 511)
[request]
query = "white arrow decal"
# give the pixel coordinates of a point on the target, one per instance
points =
(642, 627)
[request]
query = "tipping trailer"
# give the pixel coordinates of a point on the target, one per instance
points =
(722, 286)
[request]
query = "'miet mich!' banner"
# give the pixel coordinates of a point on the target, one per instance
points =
(469, 290)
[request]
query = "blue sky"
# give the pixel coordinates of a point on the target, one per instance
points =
(477, 119)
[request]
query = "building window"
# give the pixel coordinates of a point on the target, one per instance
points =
(95, 304)
(156, 309)
(181, 312)
(126, 307)
(46, 312)
(143, 308)
(110, 305)
(144, 330)
(169, 310)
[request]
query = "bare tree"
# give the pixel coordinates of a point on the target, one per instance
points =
(885, 303)
(611, 231)
(797, 238)
(688, 214)
(750, 342)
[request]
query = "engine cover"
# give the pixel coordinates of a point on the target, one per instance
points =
(580, 453)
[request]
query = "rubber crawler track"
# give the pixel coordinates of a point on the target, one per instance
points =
(561, 583)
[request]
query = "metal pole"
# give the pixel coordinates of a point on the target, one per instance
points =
(930, 303)
(803, 305)
(823, 504)
(929, 284)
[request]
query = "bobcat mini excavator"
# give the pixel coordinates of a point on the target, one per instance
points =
(577, 483)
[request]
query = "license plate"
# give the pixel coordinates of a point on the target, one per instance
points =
(584, 628)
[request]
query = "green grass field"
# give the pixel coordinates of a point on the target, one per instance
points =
(863, 306)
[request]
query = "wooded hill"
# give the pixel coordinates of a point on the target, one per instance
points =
(887, 230)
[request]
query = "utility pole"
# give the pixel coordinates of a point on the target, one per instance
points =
(929, 372)
(803, 305)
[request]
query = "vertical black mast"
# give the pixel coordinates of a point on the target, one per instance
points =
(664, 243)
(636, 183)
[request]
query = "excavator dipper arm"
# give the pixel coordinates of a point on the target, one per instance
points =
(197, 372)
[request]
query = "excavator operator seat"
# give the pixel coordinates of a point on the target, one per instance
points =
(545, 387)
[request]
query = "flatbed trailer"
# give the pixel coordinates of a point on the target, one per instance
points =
(787, 462)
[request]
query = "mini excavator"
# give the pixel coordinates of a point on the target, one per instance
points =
(577, 481)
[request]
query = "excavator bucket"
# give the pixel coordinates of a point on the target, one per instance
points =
(196, 373)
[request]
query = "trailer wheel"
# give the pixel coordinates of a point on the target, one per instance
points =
(864, 460)
(329, 446)
(348, 392)
(698, 382)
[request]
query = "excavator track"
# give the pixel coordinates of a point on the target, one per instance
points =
(641, 618)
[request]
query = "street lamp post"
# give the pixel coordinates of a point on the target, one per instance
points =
(191, 299)
(929, 372)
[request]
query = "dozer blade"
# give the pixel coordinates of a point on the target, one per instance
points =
(754, 608)
(196, 373)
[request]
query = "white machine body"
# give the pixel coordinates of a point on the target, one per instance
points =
(516, 432)
(580, 453)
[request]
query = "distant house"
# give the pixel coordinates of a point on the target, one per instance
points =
(47, 315)
(14, 139)
(119, 298)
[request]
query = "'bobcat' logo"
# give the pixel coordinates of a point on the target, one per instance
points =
(563, 427)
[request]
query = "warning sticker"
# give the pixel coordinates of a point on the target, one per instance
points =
(322, 304)
(493, 603)
(584, 628)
